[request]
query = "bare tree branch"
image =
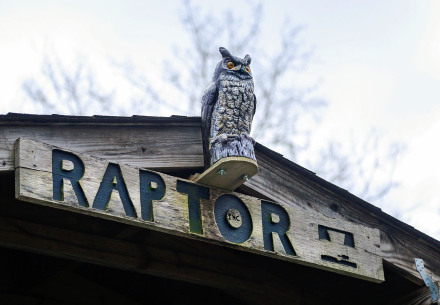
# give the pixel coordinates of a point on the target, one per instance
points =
(282, 105)
(61, 90)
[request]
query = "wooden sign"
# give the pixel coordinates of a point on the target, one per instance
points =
(77, 182)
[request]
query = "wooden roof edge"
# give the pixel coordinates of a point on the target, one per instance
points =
(12, 117)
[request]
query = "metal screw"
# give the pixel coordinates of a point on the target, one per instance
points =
(221, 172)
(246, 177)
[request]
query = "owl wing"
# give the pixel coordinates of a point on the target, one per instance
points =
(208, 102)
(255, 108)
(255, 105)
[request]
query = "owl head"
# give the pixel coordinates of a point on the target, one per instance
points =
(233, 66)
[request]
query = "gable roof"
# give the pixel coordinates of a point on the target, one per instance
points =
(283, 180)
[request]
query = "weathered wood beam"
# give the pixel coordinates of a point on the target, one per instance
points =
(166, 147)
(421, 296)
(110, 252)
(348, 248)
(245, 279)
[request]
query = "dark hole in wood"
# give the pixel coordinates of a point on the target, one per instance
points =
(334, 207)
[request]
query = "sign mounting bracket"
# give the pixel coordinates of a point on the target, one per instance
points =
(428, 282)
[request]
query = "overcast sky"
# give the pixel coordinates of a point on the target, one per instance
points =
(378, 63)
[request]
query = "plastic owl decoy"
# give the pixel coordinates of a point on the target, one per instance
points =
(228, 107)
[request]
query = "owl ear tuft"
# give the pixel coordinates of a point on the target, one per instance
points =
(224, 52)
(247, 59)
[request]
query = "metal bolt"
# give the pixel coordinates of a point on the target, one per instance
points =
(246, 177)
(221, 172)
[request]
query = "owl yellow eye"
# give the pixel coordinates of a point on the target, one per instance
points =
(247, 69)
(231, 65)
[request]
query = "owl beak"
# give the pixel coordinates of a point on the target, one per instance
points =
(243, 69)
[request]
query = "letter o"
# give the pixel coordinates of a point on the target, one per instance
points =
(233, 233)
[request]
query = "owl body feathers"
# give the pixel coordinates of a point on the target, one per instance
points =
(228, 107)
(233, 111)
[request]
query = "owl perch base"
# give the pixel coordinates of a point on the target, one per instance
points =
(232, 146)
(228, 173)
